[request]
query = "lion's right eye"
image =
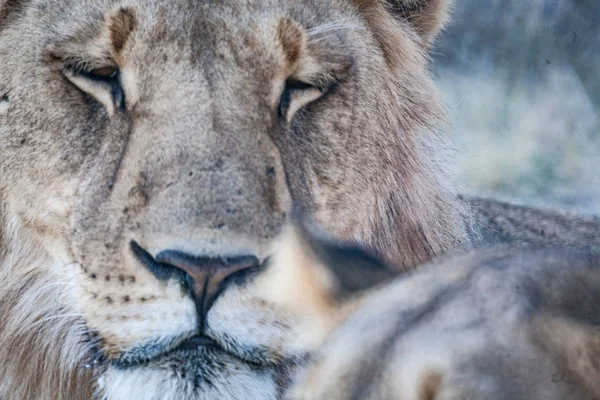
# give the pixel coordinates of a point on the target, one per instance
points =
(102, 83)
(297, 94)
(104, 73)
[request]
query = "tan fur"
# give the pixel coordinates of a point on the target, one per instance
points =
(299, 283)
(506, 323)
(185, 150)
(121, 25)
(430, 385)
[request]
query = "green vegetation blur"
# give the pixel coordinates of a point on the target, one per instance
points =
(521, 81)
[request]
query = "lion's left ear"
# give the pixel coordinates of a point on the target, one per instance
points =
(426, 17)
(309, 270)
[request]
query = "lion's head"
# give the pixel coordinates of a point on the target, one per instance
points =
(150, 151)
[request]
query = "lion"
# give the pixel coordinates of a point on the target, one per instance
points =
(151, 154)
(499, 323)
(518, 323)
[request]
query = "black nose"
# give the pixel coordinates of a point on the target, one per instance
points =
(206, 277)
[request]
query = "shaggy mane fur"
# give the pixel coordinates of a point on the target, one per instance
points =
(40, 333)
(421, 192)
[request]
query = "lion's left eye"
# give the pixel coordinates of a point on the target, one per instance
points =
(103, 83)
(297, 94)
(104, 73)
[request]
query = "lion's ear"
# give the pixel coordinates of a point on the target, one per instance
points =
(349, 268)
(318, 280)
(426, 17)
(314, 275)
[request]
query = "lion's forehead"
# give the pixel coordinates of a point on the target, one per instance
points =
(190, 49)
(201, 23)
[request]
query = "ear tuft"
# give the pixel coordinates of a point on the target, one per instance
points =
(309, 270)
(316, 278)
(352, 268)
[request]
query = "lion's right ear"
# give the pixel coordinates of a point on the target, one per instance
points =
(426, 17)
(318, 279)
(314, 274)
(350, 268)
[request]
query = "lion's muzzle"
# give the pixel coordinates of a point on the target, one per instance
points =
(204, 277)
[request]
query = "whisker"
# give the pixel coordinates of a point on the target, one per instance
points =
(332, 27)
(51, 318)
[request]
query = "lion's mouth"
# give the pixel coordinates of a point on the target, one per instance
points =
(197, 341)
(158, 352)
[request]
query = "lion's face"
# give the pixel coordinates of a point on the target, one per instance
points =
(151, 151)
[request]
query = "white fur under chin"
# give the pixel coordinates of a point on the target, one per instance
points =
(241, 383)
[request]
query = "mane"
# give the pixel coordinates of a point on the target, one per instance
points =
(419, 214)
(41, 350)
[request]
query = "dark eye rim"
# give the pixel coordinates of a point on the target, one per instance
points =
(109, 75)
(106, 73)
(294, 85)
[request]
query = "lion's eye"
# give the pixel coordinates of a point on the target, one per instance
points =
(103, 83)
(104, 73)
(296, 95)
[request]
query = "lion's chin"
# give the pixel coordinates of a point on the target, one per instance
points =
(157, 352)
(188, 372)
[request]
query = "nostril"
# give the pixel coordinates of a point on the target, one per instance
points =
(160, 270)
(204, 277)
(195, 264)
(210, 275)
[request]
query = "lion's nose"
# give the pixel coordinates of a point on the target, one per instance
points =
(206, 277)
(209, 275)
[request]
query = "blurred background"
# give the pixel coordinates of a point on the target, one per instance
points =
(521, 81)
